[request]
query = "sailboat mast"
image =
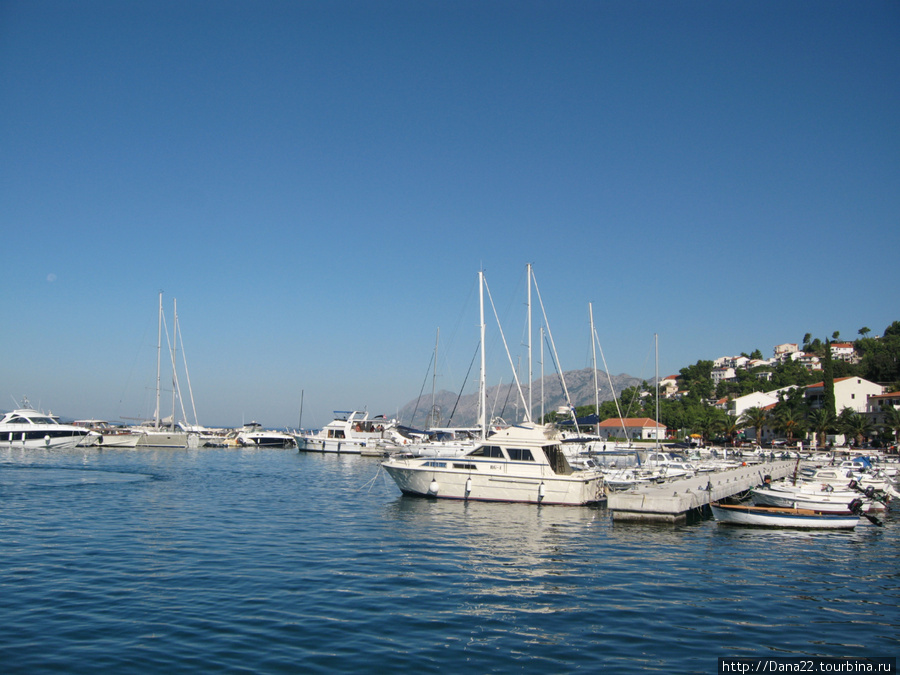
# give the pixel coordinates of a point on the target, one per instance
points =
(174, 350)
(594, 368)
(158, 355)
(482, 413)
(542, 374)
(434, 420)
(300, 421)
(656, 346)
(530, 376)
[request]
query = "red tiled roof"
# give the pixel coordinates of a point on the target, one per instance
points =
(822, 384)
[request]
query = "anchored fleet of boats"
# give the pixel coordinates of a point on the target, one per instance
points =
(525, 462)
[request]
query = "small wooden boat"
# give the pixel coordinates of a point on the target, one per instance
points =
(769, 516)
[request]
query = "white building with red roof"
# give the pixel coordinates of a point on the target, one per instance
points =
(635, 428)
(849, 392)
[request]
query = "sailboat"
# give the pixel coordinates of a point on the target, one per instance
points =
(165, 432)
(522, 463)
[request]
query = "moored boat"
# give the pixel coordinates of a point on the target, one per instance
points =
(253, 435)
(27, 428)
(352, 432)
(765, 516)
(823, 503)
(523, 463)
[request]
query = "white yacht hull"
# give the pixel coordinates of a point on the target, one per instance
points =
(417, 478)
(163, 439)
(16, 440)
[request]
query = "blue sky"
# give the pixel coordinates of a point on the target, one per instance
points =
(318, 184)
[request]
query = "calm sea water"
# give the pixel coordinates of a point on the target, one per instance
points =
(270, 561)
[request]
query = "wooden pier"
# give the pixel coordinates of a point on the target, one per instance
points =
(674, 502)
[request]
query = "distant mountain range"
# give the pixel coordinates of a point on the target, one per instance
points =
(503, 400)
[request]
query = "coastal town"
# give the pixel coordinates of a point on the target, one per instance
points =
(786, 400)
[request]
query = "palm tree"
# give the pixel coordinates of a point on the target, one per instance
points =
(790, 421)
(729, 427)
(892, 422)
(821, 421)
(856, 425)
(706, 423)
(757, 418)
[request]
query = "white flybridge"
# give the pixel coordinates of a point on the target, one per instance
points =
(522, 463)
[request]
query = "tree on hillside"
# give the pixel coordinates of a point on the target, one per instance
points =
(864, 331)
(835, 336)
(806, 343)
(757, 418)
(698, 379)
(880, 358)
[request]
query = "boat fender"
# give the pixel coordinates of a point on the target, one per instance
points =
(433, 488)
(468, 486)
(47, 440)
(542, 492)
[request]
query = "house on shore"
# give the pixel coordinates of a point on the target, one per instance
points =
(849, 392)
(635, 428)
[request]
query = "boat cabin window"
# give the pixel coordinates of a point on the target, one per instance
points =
(557, 459)
(487, 451)
(335, 433)
(520, 454)
(17, 420)
(468, 467)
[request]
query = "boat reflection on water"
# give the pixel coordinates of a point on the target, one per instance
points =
(510, 549)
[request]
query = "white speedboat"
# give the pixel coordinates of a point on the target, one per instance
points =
(253, 435)
(352, 432)
(765, 516)
(523, 463)
(28, 428)
(109, 436)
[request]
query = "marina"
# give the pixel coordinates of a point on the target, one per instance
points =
(275, 560)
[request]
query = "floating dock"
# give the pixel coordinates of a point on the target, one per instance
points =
(675, 502)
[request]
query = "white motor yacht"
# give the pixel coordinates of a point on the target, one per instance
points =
(353, 432)
(28, 428)
(254, 436)
(523, 463)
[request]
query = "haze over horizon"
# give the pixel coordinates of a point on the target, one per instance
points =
(319, 183)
